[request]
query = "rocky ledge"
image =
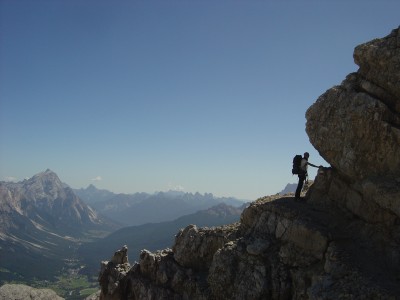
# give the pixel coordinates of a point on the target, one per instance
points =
(342, 242)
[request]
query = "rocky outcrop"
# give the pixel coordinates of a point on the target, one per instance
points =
(21, 291)
(113, 272)
(362, 119)
(281, 249)
(167, 274)
(342, 243)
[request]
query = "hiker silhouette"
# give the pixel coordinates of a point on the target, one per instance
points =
(303, 175)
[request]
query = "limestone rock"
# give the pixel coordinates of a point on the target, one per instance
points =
(120, 256)
(111, 274)
(361, 117)
(364, 134)
(379, 62)
(259, 246)
(195, 248)
(286, 250)
(21, 291)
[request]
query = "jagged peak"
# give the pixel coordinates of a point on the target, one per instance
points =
(47, 174)
(46, 183)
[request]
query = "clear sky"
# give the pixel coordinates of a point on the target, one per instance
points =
(145, 96)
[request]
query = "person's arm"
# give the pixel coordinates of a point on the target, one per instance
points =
(310, 164)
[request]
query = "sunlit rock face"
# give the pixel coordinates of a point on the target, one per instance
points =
(356, 128)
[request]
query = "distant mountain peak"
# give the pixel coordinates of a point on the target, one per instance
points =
(289, 188)
(46, 173)
(41, 221)
(91, 187)
(45, 179)
(45, 197)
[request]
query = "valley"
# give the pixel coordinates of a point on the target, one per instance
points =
(53, 238)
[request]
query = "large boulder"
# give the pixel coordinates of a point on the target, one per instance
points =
(356, 128)
(356, 132)
(379, 62)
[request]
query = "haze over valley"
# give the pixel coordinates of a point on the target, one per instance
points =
(47, 230)
(140, 208)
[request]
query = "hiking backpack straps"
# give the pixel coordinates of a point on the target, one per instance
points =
(296, 169)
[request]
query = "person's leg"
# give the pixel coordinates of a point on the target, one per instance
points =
(300, 186)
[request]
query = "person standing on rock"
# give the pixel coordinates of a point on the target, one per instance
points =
(303, 173)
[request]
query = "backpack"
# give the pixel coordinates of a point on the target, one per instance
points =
(296, 164)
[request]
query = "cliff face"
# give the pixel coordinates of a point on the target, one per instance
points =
(362, 119)
(343, 243)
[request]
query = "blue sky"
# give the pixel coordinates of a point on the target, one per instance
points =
(145, 96)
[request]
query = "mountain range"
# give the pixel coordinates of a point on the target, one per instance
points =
(141, 208)
(47, 229)
(289, 188)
